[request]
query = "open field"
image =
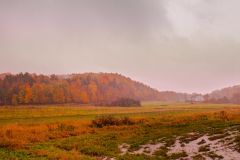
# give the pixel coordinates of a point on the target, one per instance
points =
(153, 131)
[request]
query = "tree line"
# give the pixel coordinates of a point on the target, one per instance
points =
(25, 88)
(234, 99)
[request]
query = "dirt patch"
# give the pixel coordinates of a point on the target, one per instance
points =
(124, 148)
(194, 146)
(147, 149)
(220, 147)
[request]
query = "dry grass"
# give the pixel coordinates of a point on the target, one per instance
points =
(21, 135)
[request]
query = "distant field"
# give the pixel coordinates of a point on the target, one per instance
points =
(52, 113)
(66, 131)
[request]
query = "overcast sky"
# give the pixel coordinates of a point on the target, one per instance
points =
(180, 45)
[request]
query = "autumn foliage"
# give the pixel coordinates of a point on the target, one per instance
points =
(76, 88)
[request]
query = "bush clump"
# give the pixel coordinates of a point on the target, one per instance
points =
(109, 120)
(126, 102)
(222, 115)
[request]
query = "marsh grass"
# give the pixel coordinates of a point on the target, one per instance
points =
(97, 135)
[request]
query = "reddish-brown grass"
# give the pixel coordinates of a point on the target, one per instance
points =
(20, 135)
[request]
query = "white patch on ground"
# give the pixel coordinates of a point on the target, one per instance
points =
(147, 149)
(124, 148)
(222, 147)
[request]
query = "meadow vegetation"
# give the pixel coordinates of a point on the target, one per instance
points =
(78, 132)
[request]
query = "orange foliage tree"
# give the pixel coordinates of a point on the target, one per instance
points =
(76, 88)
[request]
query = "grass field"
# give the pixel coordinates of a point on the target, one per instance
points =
(67, 132)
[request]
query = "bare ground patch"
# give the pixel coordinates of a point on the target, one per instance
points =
(194, 146)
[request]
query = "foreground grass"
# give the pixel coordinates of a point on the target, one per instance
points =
(34, 133)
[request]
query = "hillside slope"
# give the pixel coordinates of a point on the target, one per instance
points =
(75, 88)
(227, 92)
(225, 95)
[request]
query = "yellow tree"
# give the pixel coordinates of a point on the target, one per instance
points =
(58, 94)
(84, 97)
(28, 95)
(93, 91)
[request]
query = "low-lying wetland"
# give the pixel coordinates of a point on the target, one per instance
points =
(175, 131)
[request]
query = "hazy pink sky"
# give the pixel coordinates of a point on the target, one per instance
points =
(180, 45)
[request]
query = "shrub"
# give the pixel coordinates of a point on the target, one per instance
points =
(126, 121)
(222, 115)
(109, 120)
(126, 102)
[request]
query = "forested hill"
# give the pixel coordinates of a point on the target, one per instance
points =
(225, 95)
(75, 88)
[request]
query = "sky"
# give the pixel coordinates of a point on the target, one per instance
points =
(180, 45)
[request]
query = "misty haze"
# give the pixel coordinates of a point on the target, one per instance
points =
(119, 80)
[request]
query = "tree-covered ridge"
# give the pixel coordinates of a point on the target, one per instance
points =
(75, 88)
